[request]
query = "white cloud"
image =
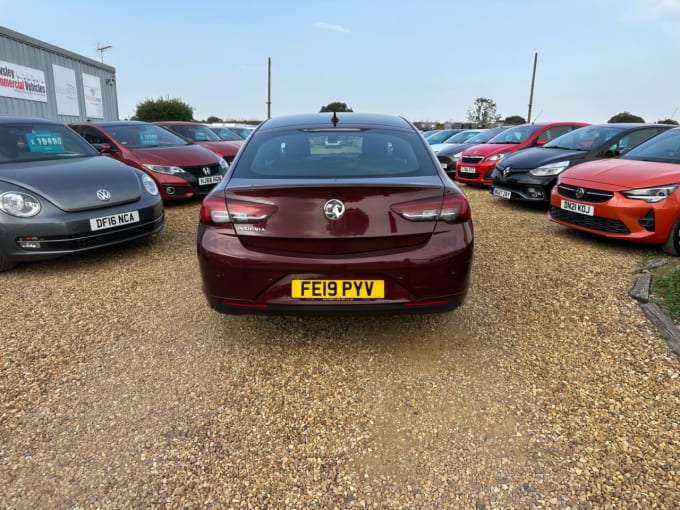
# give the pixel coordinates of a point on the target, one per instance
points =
(329, 26)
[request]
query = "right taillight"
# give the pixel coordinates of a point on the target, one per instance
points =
(451, 209)
(215, 210)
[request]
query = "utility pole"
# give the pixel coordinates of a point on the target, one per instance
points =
(101, 50)
(269, 88)
(531, 94)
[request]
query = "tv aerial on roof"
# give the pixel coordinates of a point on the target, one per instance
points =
(101, 50)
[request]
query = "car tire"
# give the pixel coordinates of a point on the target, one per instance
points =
(672, 243)
(6, 264)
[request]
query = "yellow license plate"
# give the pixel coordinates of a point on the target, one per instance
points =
(338, 289)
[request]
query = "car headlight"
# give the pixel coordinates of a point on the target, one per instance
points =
(655, 194)
(223, 164)
(19, 204)
(164, 169)
(149, 185)
(456, 156)
(549, 169)
(496, 157)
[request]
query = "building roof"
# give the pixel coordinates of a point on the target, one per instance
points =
(11, 34)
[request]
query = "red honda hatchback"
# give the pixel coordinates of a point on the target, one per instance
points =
(179, 168)
(369, 224)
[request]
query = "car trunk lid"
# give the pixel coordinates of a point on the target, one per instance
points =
(335, 218)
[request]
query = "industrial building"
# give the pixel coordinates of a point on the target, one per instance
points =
(41, 80)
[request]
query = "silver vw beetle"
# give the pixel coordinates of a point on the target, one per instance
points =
(59, 196)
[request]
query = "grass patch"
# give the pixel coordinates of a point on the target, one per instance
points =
(665, 289)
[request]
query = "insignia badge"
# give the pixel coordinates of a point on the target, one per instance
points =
(334, 209)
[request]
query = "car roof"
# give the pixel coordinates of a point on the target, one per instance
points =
(547, 124)
(27, 120)
(344, 120)
(109, 123)
(233, 124)
(630, 125)
(178, 123)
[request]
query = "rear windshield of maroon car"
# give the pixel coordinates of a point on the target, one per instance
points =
(333, 154)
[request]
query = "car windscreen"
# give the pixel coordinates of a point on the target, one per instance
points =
(440, 136)
(461, 137)
(226, 134)
(37, 141)
(485, 136)
(585, 138)
(664, 148)
(195, 133)
(517, 134)
(144, 136)
(368, 153)
(241, 131)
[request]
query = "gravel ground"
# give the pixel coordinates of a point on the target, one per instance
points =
(547, 389)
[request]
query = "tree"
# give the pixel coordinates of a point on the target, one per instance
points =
(212, 120)
(625, 117)
(483, 112)
(668, 121)
(152, 110)
(336, 107)
(514, 120)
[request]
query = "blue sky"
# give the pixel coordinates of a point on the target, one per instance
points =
(425, 60)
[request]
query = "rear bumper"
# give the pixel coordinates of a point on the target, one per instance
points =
(433, 277)
(359, 309)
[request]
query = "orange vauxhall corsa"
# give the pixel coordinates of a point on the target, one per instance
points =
(635, 197)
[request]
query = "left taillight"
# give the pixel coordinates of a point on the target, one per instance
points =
(451, 209)
(215, 210)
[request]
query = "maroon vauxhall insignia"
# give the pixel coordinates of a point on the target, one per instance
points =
(334, 213)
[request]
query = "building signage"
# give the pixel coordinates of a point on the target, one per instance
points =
(22, 82)
(66, 90)
(92, 88)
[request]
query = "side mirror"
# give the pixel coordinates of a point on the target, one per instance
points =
(104, 148)
(540, 142)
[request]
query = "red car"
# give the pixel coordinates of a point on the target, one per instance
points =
(476, 163)
(635, 197)
(181, 169)
(202, 135)
(371, 225)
